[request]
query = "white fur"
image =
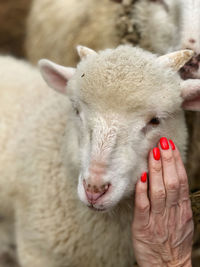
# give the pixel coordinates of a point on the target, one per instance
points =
(48, 148)
(53, 28)
(190, 24)
(157, 24)
(168, 27)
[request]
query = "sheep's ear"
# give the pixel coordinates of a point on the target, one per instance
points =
(176, 60)
(190, 92)
(56, 76)
(84, 51)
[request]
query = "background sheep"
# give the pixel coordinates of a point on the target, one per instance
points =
(55, 27)
(12, 103)
(89, 22)
(59, 139)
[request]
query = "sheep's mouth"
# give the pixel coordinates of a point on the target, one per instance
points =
(96, 209)
(191, 69)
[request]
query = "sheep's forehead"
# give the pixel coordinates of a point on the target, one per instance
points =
(121, 80)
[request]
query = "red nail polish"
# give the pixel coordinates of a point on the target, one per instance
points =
(164, 143)
(156, 153)
(172, 144)
(143, 177)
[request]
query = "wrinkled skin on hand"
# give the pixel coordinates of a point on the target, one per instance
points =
(163, 228)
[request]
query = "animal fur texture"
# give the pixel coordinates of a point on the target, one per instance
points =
(52, 143)
(55, 27)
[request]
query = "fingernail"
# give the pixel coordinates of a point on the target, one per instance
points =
(143, 177)
(156, 153)
(164, 143)
(172, 144)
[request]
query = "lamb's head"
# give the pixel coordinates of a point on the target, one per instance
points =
(168, 25)
(124, 100)
(190, 36)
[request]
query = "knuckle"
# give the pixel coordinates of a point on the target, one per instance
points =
(143, 208)
(156, 168)
(140, 190)
(176, 156)
(167, 157)
(173, 186)
(160, 194)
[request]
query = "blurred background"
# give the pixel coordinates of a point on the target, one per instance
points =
(13, 14)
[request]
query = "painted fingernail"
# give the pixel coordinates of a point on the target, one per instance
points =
(172, 144)
(164, 143)
(156, 153)
(143, 177)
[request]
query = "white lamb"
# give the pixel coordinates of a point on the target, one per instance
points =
(161, 26)
(93, 138)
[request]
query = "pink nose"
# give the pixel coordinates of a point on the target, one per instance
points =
(94, 192)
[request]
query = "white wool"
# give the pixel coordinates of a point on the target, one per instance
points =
(157, 23)
(55, 28)
(168, 25)
(49, 148)
(190, 25)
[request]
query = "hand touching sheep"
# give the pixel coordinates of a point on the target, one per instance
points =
(163, 227)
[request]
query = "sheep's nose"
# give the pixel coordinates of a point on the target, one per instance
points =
(192, 44)
(94, 192)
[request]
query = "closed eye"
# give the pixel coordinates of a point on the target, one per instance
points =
(152, 124)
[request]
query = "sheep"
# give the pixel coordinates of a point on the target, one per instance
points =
(89, 22)
(158, 26)
(161, 26)
(7, 241)
(13, 115)
(93, 140)
(54, 27)
(166, 26)
(157, 23)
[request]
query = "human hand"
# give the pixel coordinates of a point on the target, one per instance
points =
(162, 227)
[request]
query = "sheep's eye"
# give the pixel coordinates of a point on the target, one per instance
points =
(154, 121)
